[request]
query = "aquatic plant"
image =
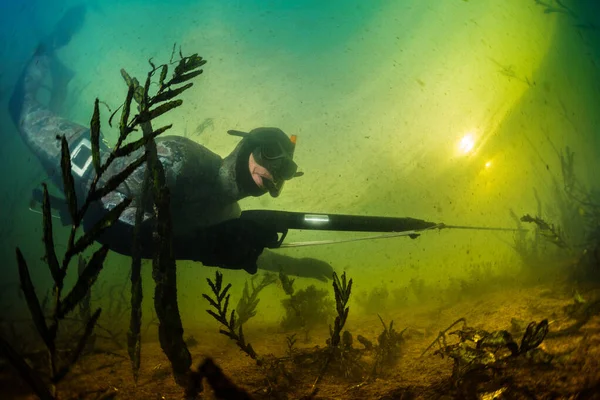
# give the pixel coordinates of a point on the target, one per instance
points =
(204, 125)
(580, 310)
(191, 341)
(342, 290)
(114, 313)
(557, 6)
(528, 248)
(246, 306)
(290, 341)
(165, 296)
(548, 231)
(306, 309)
(579, 210)
(151, 106)
(509, 72)
(388, 349)
(375, 300)
(419, 289)
(479, 351)
(76, 246)
(277, 377)
(287, 283)
(220, 303)
(577, 232)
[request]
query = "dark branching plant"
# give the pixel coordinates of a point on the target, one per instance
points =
(375, 300)
(548, 231)
(220, 303)
(290, 341)
(111, 329)
(556, 6)
(246, 306)
(388, 349)
(149, 108)
(277, 377)
(479, 350)
(305, 308)
(342, 289)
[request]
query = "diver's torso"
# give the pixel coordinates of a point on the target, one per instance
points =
(192, 176)
(192, 173)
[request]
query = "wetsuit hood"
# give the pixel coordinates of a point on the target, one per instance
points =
(273, 150)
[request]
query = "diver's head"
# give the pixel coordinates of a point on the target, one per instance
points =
(264, 161)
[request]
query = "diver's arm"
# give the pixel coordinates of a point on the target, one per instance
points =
(119, 236)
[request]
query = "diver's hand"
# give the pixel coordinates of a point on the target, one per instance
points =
(234, 244)
(301, 267)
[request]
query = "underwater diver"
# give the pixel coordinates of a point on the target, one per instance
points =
(204, 188)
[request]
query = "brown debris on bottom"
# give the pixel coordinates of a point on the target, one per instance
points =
(427, 377)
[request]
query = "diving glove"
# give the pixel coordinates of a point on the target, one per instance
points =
(233, 244)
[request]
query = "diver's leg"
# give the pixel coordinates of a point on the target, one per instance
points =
(303, 267)
(38, 126)
(61, 76)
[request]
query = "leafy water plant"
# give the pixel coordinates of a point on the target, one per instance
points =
(548, 231)
(77, 244)
(220, 303)
(478, 349)
(87, 275)
(375, 300)
(388, 349)
(341, 289)
(290, 342)
(556, 6)
(151, 106)
(277, 377)
(246, 306)
(304, 309)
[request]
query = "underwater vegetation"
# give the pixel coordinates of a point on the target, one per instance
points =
(556, 6)
(490, 358)
(559, 7)
(550, 7)
(246, 307)
(357, 362)
(480, 356)
(374, 301)
(60, 360)
(575, 234)
(306, 308)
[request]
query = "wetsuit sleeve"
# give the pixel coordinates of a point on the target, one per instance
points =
(119, 237)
